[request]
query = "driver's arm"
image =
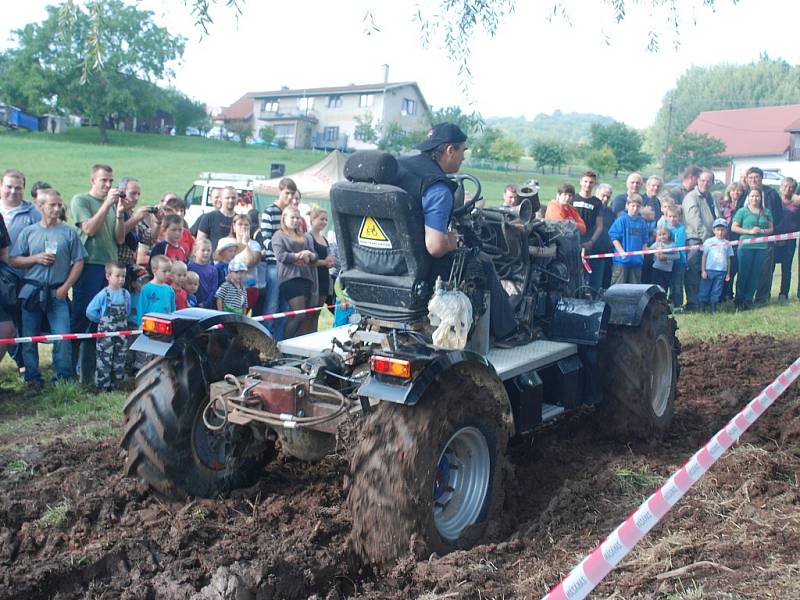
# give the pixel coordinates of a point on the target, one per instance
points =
(437, 203)
(438, 244)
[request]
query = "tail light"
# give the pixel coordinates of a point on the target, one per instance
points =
(394, 367)
(156, 326)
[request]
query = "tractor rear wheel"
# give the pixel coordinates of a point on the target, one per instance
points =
(168, 444)
(429, 478)
(640, 375)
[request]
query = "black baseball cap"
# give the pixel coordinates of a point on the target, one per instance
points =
(443, 133)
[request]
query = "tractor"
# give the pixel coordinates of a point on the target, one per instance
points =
(428, 406)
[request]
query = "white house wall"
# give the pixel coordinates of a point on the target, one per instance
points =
(770, 163)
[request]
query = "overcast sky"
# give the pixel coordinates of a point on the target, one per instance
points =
(532, 65)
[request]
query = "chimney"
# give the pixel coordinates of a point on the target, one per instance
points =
(385, 73)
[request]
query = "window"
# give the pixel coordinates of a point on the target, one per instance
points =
(330, 134)
(270, 105)
(195, 195)
(409, 107)
(365, 100)
(285, 130)
(305, 104)
(334, 101)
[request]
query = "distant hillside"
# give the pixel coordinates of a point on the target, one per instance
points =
(566, 127)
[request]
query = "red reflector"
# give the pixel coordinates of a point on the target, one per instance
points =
(390, 366)
(156, 326)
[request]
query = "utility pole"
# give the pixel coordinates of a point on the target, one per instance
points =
(666, 139)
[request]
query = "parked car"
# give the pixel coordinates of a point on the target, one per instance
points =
(220, 133)
(198, 197)
(190, 131)
(772, 177)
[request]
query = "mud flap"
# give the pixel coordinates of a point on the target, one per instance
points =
(408, 393)
(628, 302)
(188, 323)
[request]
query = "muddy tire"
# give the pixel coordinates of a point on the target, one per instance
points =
(640, 375)
(429, 478)
(167, 443)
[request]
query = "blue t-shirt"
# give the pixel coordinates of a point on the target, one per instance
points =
(717, 253)
(155, 297)
(437, 204)
(99, 304)
(678, 236)
(633, 234)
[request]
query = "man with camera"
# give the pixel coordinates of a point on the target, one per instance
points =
(140, 226)
(101, 231)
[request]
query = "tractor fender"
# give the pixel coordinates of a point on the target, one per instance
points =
(188, 323)
(628, 302)
(410, 392)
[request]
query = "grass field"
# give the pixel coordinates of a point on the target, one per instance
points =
(165, 163)
(162, 163)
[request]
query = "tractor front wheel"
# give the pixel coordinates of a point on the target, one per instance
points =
(640, 371)
(168, 441)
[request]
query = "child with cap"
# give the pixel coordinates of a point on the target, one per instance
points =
(227, 248)
(716, 266)
(231, 296)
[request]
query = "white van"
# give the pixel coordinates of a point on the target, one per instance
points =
(198, 197)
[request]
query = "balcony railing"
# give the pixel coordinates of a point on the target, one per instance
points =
(794, 153)
(296, 114)
(319, 142)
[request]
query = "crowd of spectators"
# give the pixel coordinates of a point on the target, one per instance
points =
(118, 261)
(690, 214)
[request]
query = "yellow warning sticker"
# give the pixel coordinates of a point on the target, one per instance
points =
(371, 234)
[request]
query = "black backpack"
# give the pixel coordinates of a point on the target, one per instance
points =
(9, 286)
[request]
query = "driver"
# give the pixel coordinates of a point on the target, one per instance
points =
(424, 177)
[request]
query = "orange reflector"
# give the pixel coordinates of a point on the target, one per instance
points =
(390, 366)
(156, 326)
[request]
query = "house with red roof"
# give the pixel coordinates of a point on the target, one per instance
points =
(325, 117)
(767, 137)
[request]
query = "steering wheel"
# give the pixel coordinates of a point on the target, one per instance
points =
(461, 208)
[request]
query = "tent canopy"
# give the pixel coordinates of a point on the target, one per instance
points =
(314, 182)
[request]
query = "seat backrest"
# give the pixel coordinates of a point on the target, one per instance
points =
(380, 232)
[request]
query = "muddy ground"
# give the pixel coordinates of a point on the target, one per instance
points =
(71, 526)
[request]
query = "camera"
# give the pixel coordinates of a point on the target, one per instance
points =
(153, 210)
(121, 192)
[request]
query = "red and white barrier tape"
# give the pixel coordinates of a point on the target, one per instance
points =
(68, 337)
(108, 334)
(592, 569)
(779, 237)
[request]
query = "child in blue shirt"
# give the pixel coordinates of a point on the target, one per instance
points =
(109, 309)
(629, 233)
(672, 220)
(191, 285)
(157, 295)
(716, 266)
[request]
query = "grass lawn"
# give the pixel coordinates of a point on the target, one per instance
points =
(164, 163)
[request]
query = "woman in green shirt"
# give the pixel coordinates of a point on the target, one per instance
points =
(752, 220)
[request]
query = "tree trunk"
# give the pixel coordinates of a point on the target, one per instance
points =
(103, 131)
